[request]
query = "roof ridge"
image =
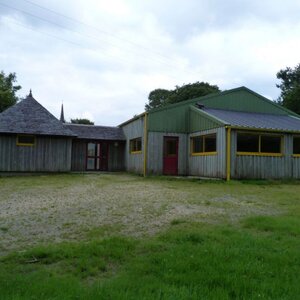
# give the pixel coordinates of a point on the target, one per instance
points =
(211, 95)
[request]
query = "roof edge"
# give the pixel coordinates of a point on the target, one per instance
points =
(271, 102)
(133, 119)
(209, 116)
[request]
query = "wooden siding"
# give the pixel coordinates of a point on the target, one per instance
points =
(134, 129)
(155, 152)
(296, 167)
(115, 155)
(264, 167)
(49, 154)
(78, 155)
(209, 165)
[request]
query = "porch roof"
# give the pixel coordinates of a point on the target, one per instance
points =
(93, 132)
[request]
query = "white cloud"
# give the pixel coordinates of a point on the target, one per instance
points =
(105, 72)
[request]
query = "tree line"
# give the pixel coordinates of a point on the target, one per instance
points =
(289, 92)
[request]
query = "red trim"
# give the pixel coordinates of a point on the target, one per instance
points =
(170, 162)
(100, 158)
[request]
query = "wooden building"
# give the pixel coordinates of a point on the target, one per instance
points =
(233, 134)
(33, 140)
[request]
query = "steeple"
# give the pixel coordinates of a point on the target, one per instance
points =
(30, 93)
(62, 116)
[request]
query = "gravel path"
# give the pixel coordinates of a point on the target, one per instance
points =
(55, 208)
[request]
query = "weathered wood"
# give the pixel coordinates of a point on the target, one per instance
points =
(209, 165)
(48, 154)
(156, 150)
(264, 167)
(134, 129)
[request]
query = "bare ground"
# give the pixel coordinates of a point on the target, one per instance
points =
(57, 208)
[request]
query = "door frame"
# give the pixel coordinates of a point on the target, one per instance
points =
(97, 157)
(165, 138)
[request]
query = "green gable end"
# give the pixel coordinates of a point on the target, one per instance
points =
(181, 118)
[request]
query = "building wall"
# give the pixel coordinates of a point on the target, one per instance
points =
(296, 167)
(264, 167)
(134, 162)
(209, 165)
(78, 155)
(115, 155)
(156, 150)
(49, 154)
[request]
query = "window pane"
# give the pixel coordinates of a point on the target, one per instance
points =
(247, 142)
(25, 139)
(91, 149)
(90, 164)
(210, 143)
(171, 147)
(197, 144)
(270, 144)
(296, 145)
(138, 144)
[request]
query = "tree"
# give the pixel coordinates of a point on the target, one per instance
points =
(8, 90)
(157, 98)
(161, 97)
(82, 121)
(290, 88)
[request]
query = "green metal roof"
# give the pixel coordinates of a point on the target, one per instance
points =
(180, 118)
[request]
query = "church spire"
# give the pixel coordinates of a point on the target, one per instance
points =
(62, 116)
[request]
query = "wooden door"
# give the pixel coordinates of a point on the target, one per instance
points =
(170, 157)
(97, 156)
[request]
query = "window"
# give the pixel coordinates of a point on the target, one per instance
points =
(136, 145)
(25, 140)
(204, 144)
(296, 145)
(258, 144)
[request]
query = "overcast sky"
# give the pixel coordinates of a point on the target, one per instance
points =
(102, 58)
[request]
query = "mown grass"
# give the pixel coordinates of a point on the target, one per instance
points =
(254, 257)
(258, 260)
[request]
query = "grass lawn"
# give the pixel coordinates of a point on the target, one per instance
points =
(126, 237)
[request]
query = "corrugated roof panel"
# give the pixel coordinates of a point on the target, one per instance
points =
(256, 120)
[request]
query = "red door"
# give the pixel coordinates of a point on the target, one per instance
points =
(97, 156)
(170, 160)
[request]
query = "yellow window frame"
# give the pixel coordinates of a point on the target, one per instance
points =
(259, 153)
(297, 154)
(203, 137)
(18, 143)
(132, 145)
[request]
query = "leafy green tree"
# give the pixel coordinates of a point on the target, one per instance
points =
(157, 98)
(8, 90)
(82, 121)
(161, 97)
(290, 88)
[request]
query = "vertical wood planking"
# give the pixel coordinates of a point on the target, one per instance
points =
(155, 152)
(134, 129)
(209, 165)
(49, 154)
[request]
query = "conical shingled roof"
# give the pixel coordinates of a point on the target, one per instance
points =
(30, 117)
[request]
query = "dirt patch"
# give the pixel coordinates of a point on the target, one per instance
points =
(56, 208)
